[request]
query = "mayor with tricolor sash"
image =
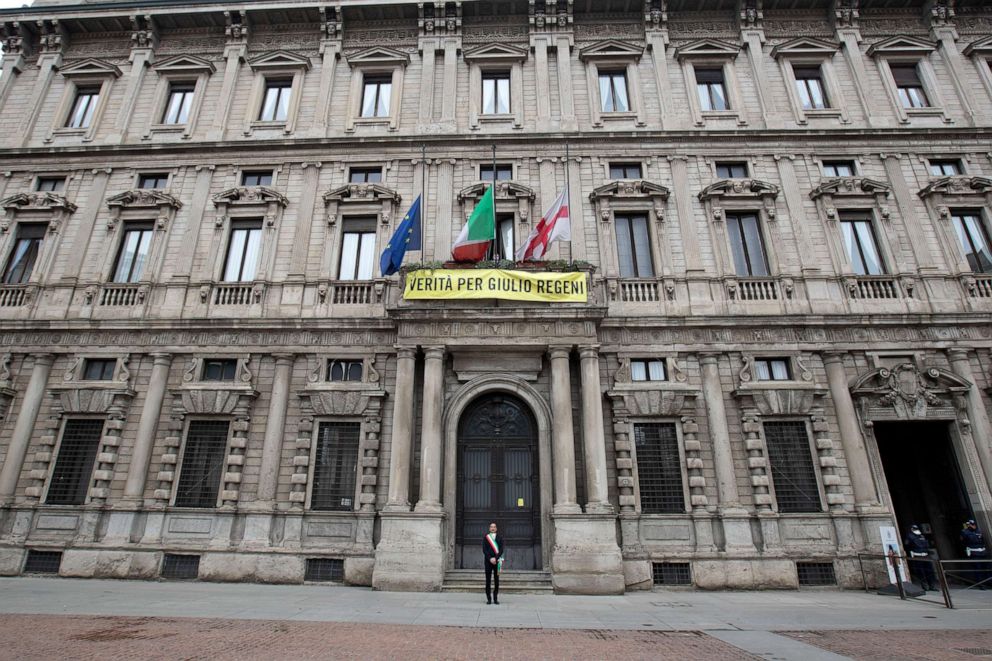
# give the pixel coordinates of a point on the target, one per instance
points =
(492, 552)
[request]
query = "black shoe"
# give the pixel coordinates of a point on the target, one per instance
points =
(489, 602)
(496, 601)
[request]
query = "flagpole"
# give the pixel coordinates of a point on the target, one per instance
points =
(423, 198)
(492, 245)
(568, 201)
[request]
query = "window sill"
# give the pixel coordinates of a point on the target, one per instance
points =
(931, 111)
(823, 113)
(618, 117)
(261, 125)
(70, 133)
(721, 114)
(373, 121)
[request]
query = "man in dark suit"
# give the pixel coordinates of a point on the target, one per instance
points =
(492, 553)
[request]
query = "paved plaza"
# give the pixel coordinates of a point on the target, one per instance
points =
(44, 618)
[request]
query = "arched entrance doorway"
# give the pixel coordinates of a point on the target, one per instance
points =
(497, 480)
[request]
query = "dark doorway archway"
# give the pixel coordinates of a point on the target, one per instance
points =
(498, 481)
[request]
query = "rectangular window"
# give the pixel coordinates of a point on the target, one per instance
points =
(747, 245)
(365, 175)
(74, 463)
(791, 462)
(275, 105)
(219, 369)
(324, 570)
(909, 86)
(860, 244)
(809, 85)
(503, 246)
(634, 246)
(43, 562)
(344, 370)
(613, 91)
(357, 249)
(180, 567)
(256, 178)
(504, 172)
(203, 463)
(50, 184)
(376, 96)
(178, 106)
(133, 253)
(659, 469)
(838, 168)
(99, 369)
(772, 369)
(974, 240)
(625, 170)
(712, 89)
(646, 369)
(243, 251)
(83, 108)
(731, 170)
(335, 466)
(153, 180)
(22, 258)
(496, 93)
(945, 168)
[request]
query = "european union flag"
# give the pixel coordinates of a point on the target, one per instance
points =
(406, 237)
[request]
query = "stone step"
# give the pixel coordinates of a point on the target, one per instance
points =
(521, 581)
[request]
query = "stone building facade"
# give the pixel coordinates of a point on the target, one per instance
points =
(787, 344)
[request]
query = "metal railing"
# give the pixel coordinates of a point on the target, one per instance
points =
(892, 561)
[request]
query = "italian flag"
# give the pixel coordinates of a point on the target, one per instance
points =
(473, 241)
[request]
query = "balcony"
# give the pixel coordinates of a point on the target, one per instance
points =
(122, 296)
(756, 289)
(13, 296)
(876, 287)
(979, 286)
(236, 295)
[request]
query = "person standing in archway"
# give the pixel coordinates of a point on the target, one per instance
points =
(492, 553)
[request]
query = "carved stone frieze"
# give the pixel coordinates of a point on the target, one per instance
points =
(77, 399)
(656, 401)
(214, 401)
(550, 15)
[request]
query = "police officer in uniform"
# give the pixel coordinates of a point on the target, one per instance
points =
(918, 549)
(975, 548)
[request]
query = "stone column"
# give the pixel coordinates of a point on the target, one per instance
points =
(716, 416)
(26, 418)
(402, 438)
(563, 440)
(430, 434)
(858, 467)
(275, 427)
(981, 429)
(144, 441)
(594, 441)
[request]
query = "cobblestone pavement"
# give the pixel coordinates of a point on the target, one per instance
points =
(105, 638)
(909, 645)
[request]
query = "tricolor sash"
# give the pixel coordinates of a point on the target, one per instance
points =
(491, 538)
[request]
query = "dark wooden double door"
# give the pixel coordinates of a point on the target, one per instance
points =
(498, 481)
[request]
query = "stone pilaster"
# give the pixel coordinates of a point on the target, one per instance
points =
(431, 433)
(593, 437)
(402, 438)
(24, 426)
(980, 428)
(137, 474)
(855, 454)
(563, 439)
(275, 427)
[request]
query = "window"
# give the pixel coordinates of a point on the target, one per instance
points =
(43, 562)
(99, 369)
(815, 574)
(133, 253)
(220, 369)
(357, 249)
(731, 170)
(838, 168)
(325, 569)
(180, 567)
(504, 172)
(376, 95)
(671, 573)
(712, 89)
(860, 244)
(945, 168)
(25, 253)
(335, 466)
(634, 246)
(74, 463)
(256, 178)
(203, 463)
(809, 85)
(275, 104)
(243, 250)
(154, 180)
(647, 369)
(625, 170)
(909, 86)
(659, 468)
(503, 248)
(83, 108)
(613, 91)
(50, 184)
(344, 370)
(974, 240)
(791, 463)
(747, 245)
(772, 369)
(496, 93)
(178, 106)
(365, 175)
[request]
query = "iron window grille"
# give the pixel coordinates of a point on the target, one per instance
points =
(179, 104)
(659, 468)
(613, 95)
(50, 184)
(324, 570)
(646, 369)
(816, 573)
(909, 86)
(712, 89)
(357, 249)
(180, 567)
(838, 168)
(43, 562)
(974, 240)
(377, 94)
(791, 462)
(671, 573)
(809, 85)
(83, 108)
(133, 254)
(335, 466)
(153, 180)
(731, 170)
(25, 253)
(257, 178)
(74, 463)
(203, 463)
(503, 172)
(633, 246)
(625, 170)
(747, 245)
(344, 370)
(365, 175)
(99, 369)
(275, 105)
(772, 369)
(243, 251)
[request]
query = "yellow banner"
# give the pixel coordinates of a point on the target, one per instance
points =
(496, 283)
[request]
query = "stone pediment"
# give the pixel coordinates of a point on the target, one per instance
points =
(902, 45)
(341, 402)
(378, 55)
(245, 195)
(840, 186)
(37, 201)
(143, 198)
(738, 188)
(980, 47)
(504, 190)
(805, 46)
(707, 48)
(184, 64)
(279, 59)
(796, 399)
(78, 400)
(215, 401)
(90, 67)
(669, 401)
(905, 392)
(358, 193)
(958, 185)
(496, 53)
(630, 188)
(610, 49)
